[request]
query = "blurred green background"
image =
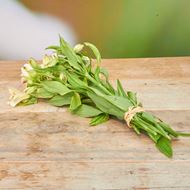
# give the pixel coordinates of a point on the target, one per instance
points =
(125, 28)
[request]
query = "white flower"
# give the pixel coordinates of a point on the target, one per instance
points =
(78, 48)
(28, 67)
(24, 72)
(16, 97)
(49, 61)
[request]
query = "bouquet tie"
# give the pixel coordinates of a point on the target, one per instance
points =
(132, 111)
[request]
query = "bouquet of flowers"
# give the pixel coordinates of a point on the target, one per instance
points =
(69, 77)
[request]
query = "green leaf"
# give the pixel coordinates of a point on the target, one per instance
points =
(120, 90)
(164, 129)
(105, 106)
(154, 137)
(87, 111)
(61, 100)
(148, 117)
(96, 73)
(120, 102)
(88, 101)
(136, 129)
(154, 127)
(29, 101)
(70, 54)
(164, 145)
(76, 82)
(183, 134)
(168, 129)
(151, 120)
(110, 87)
(117, 101)
(104, 72)
(132, 96)
(99, 119)
(95, 51)
(53, 47)
(55, 87)
(135, 121)
(42, 93)
(75, 101)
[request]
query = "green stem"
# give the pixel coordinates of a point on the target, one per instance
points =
(98, 84)
(183, 134)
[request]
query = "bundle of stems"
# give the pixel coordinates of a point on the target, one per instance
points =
(69, 77)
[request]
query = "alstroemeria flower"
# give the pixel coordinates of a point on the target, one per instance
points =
(25, 72)
(49, 61)
(16, 97)
(28, 67)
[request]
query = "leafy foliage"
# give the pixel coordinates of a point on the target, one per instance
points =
(67, 77)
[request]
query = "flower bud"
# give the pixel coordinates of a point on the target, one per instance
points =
(28, 67)
(61, 76)
(78, 48)
(86, 59)
(24, 72)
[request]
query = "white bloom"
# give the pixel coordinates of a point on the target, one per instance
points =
(49, 61)
(28, 67)
(23, 80)
(16, 97)
(24, 72)
(78, 48)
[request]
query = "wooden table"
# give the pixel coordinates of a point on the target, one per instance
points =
(44, 147)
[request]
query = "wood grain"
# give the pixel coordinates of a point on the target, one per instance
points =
(44, 147)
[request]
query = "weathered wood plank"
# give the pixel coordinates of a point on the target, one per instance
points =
(62, 136)
(125, 175)
(143, 68)
(44, 147)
